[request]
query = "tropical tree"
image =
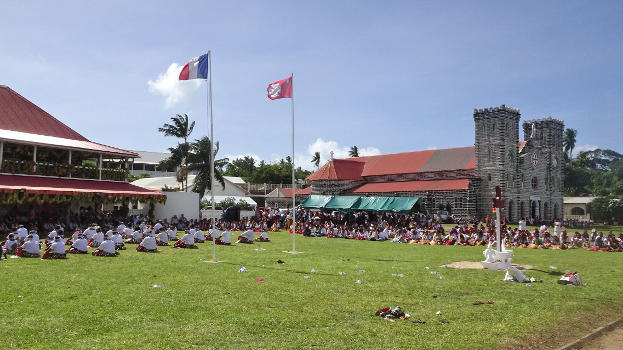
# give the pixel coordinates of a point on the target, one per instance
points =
(316, 159)
(354, 151)
(181, 128)
(199, 161)
(568, 141)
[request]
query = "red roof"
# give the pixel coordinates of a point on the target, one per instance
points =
(522, 144)
(22, 121)
(411, 186)
(54, 185)
(340, 169)
(299, 191)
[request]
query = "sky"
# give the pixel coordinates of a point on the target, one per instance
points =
(386, 76)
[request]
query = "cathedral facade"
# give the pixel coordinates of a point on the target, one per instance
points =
(462, 180)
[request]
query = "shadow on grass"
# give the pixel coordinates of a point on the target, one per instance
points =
(551, 272)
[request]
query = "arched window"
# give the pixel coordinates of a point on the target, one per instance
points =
(535, 182)
(577, 211)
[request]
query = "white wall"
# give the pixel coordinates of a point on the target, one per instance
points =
(206, 213)
(186, 203)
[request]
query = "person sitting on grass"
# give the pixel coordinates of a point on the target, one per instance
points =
(187, 241)
(74, 236)
(246, 237)
(135, 238)
(214, 234)
(79, 246)
(148, 244)
(10, 245)
(90, 231)
(29, 249)
(263, 237)
(163, 237)
(56, 250)
(118, 240)
(225, 238)
(199, 236)
(53, 234)
(172, 233)
(106, 248)
(97, 238)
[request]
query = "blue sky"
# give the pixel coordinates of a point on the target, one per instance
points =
(387, 76)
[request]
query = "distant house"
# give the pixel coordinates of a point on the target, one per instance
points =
(576, 208)
(147, 163)
(282, 197)
(232, 187)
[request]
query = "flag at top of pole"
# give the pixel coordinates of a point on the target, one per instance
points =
(280, 89)
(196, 68)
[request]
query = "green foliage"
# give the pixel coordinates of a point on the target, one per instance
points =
(594, 173)
(109, 303)
(353, 152)
(166, 188)
(241, 167)
(199, 161)
(132, 178)
(316, 159)
(568, 141)
(181, 128)
(606, 210)
(275, 173)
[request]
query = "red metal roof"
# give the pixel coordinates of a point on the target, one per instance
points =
(54, 185)
(299, 191)
(23, 121)
(339, 169)
(411, 186)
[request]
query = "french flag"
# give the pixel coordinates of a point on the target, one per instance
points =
(196, 68)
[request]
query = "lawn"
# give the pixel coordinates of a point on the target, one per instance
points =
(86, 302)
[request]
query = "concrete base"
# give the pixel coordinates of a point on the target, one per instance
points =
(496, 265)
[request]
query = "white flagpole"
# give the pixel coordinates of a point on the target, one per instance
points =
(293, 179)
(211, 153)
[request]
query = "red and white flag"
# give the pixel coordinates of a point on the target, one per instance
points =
(280, 89)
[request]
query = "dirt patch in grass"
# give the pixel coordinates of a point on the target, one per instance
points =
(568, 330)
(476, 265)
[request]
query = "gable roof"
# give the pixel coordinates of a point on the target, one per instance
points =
(397, 163)
(23, 121)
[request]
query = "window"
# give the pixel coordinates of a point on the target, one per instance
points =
(489, 177)
(535, 182)
(577, 211)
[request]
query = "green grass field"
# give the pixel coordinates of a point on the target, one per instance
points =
(86, 302)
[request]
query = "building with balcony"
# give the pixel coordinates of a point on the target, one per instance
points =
(44, 162)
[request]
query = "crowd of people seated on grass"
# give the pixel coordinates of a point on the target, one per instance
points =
(107, 241)
(418, 229)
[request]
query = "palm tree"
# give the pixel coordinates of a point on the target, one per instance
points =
(568, 141)
(316, 159)
(180, 128)
(354, 151)
(199, 161)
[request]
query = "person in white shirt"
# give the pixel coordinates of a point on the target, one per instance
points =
(97, 238)
(199, 236)
(263, 237)
(52, 235)
(89, 232)
(148, 244)
(127, 232)
(246, 237)
(10, 245)
(215, 234)
(383, 236)
(56, 250)
(157, 226)
(29, 249)
(522, 224)
(21, 233)
(74, 236)
(224, 239)
(135, 237)
(35, 235)
(558, 229)
(79, 246)
(106, 248)
(163, 237)
(187, 241)
(118, 240)
(172, 233)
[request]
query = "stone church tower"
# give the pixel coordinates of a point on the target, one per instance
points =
(528, 172)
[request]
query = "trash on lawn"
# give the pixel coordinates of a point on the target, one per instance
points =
(157, 286)
(313, 271)
(438, 313)
(444, 321)
(433, 272)
(419, 321)
(341, 273)
(362, 271)
(428, 268)
(490, 302)
(155, 276)
(260, 249)
(478, 302)
(434, 297)
(515, 275)
(391, 314)
(306, 277)
(259, 280)
(262, 266)
(553, 267)
(440, 277)
(571, 278)
(14, 257)
(243, 269)
(358, 281)
(399, 275)
(528, 285)
(280, 261)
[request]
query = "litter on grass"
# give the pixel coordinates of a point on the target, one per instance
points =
(433, 272)
(259, 280)
(358, 281)
(314, 270)
(571, 279)
(341, 273)
(391, 314)
(157, 286)
(553, 267)
(515, 275)
(362, 271)
(306, 277)
(428, 268)
(243, 269)
(260, 249)
(399, 275)
(438, 313)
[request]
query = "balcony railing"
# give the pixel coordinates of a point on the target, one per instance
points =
(29, 167)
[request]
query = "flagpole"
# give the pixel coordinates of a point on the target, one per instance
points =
(293, 178)
(211, 153)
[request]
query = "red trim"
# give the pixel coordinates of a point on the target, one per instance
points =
(184, 73)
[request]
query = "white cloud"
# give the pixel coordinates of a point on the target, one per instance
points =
(430, 148)
(175, 91)
(582, 148)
